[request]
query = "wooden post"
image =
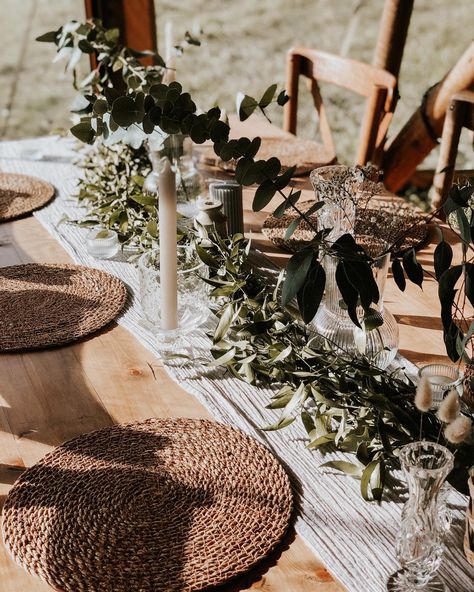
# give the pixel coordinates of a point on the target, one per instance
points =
(370, 125)
(421, 132)
(443, 178)
(393, 34)
(292, 79)
(134, 18)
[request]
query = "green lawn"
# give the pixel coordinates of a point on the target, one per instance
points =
(244, 47)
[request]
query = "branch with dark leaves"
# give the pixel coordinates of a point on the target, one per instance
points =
(345, 403)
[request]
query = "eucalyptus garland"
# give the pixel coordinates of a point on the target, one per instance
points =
(345, 403)
(127, 101)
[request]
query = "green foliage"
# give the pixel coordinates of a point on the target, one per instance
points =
(345, 404)
(456, 282)
(124, 95)
(247, 105)
(112, 189)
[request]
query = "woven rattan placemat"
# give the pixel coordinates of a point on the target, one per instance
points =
(22, 194)
(386, 221)
(46, 305)
(159, 505)
(305, 155)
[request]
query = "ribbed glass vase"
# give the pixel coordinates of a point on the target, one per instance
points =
(379, 344)
(378, 338)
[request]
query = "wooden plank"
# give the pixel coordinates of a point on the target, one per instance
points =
(50, 396)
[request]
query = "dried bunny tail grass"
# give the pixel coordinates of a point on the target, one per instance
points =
(459, 430)
(424, 395)
(449, 408)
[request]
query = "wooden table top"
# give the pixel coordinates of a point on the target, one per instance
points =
(47, 397)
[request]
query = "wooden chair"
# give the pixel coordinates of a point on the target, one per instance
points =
(460, 114)
(376, 84)
(135, 19)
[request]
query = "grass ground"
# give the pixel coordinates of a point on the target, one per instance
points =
(244, 48)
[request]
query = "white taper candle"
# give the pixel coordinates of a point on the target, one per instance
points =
(170, 54)
(168, 250)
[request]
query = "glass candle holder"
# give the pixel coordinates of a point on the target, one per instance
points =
(102, 243)
(193, 300)
(442, 378)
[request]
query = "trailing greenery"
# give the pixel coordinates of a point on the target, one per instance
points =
(456, 281)
(345, 403)
(111, 188)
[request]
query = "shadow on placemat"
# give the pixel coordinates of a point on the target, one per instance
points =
(177, 505)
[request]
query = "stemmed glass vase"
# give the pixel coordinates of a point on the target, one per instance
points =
(420, 544)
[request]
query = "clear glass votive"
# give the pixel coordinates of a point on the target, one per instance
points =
(102, 243)
(193, 301)
(442, 378)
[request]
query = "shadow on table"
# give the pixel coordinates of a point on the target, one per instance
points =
(46, 397)
(422, 358)
(419, 321)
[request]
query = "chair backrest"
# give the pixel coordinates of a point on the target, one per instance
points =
(378, 86)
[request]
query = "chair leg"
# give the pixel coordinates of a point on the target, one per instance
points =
(370, 125)
(291, 107)
(443, 178)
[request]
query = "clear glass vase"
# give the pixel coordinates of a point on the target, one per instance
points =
(193, 301)
(378, 338)
(178, 149)
(420, 544)
(379, 344)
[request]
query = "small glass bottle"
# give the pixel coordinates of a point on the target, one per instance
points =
(420, 545)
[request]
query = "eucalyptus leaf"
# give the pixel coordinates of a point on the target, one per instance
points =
(443, 256)
(245, 106)
(412, 268)
(267, 96)
(296, 272)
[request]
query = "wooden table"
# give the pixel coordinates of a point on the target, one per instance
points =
(48, 397)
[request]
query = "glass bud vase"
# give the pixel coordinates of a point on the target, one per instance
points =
(420, 544)
(178, 149)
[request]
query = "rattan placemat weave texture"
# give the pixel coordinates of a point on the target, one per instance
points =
(22, 194)
(388, 222)
(46, 305)
(159, 505)
(305, 155)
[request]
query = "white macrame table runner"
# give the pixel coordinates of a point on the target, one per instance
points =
(355, 539)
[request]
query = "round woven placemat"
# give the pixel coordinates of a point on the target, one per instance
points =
(305, 155)
(159, 505)
(47, 305)
(22, 194)
(386, 222)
